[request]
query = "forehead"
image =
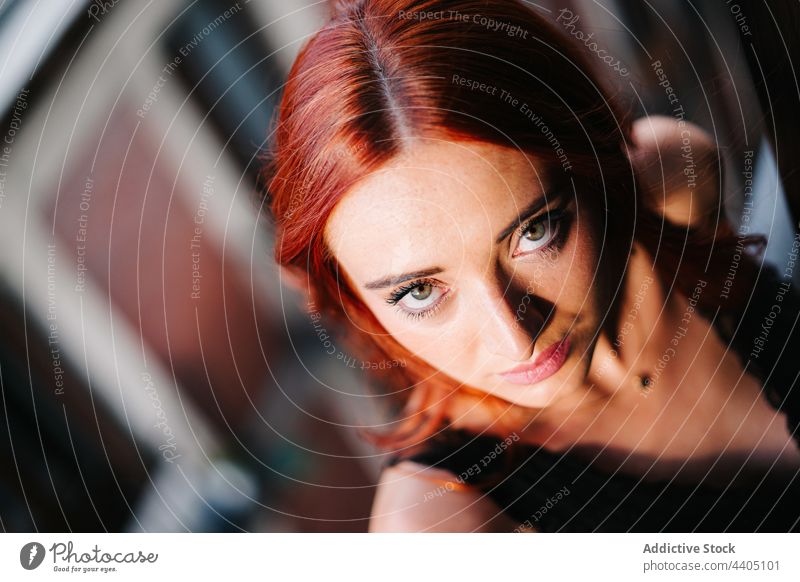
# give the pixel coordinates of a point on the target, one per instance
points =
(423, 206)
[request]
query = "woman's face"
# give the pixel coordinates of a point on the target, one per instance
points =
(478, 261)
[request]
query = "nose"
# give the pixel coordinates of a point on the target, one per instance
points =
(508, 321)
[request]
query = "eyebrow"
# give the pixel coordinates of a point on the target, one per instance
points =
(392, 280)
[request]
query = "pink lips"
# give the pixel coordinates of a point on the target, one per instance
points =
(546, 364)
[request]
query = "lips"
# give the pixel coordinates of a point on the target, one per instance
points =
(545, 365)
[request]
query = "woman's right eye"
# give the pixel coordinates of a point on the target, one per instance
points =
(420, 296)
(417, 299)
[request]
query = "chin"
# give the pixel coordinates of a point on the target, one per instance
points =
(540, 395)
(517, 406)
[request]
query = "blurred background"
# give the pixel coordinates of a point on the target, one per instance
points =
(155, 373)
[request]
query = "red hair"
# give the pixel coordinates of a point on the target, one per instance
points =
(382, 70)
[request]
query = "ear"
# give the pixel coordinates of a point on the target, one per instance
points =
(297, 279)
(293, 277)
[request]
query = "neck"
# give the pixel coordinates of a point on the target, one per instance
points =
(624, 354)
(620, 359)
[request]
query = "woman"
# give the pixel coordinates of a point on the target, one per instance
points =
(573, 322)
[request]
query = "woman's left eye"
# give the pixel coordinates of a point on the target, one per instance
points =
(537, 233)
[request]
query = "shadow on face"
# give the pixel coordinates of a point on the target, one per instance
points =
(479, 260)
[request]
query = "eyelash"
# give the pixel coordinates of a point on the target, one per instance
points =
(398, 294)
(557, 217)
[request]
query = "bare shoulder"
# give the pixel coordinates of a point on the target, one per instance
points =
(678, 165)
(411, 497)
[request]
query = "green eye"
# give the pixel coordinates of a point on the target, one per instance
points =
(422, 292)
(536, 232)
(418, 299)
(539, 232)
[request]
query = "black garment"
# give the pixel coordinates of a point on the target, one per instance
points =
(558, 492)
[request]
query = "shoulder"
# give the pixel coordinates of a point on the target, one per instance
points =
(678, 166)
(412, 497)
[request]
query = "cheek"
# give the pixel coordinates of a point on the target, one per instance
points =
(584, 270)
(417, 337)
(581, 262)
(427, 342)
(565, 276)
(448, 348)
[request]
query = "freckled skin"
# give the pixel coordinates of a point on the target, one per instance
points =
(442, 204)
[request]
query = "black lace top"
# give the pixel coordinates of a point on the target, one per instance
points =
(558, 492)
